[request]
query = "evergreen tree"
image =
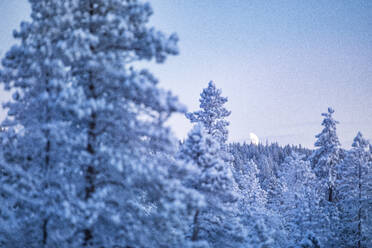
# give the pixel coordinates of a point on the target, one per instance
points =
(218, 221)
(301, 202)
(33, 155)
(213, 113)
(275, 189)
(324, 161)
(84, 165)
(261, 237)
(253, 196)
(354, 198)
(327, 155)
(367, 200)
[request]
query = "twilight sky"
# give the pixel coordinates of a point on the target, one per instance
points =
(280, 63)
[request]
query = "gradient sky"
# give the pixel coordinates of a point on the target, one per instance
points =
(280, 63)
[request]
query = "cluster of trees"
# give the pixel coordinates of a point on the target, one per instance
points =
(86, 160)
(321, 195)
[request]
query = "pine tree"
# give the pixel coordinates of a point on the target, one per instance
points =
(202, 148)
(261, 237)
(327, 155)
(213, 113)
(218, 222)
(275, 189)
(353, 196)
(36, 75)
(253, 196)
(367, 200)
(91, 128)
(301, 202)
(324, 161)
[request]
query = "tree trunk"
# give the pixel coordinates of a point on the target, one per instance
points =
(46, 162)
(45, 232)
(330, 194)
(196, 227)
(90, 171)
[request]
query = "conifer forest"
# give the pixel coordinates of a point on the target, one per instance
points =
(87, 158)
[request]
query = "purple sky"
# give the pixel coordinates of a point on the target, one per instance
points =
(280, 63)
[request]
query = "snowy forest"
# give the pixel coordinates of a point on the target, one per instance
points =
(87, 158)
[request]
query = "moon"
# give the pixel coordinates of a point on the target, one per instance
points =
(254, 138)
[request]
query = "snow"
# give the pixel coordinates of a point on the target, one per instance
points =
(86, 161)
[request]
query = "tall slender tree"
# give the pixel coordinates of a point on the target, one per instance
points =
(324, 161)
(327, 155)
(353, 194)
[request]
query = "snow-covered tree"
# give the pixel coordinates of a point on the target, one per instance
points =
(218, 221)
(83, 162)
(301, 202)
(261, 236)
(367, 193)
(36, 75)
(327, 155)
(213, 113)
(275, 190)
(324, 161)
(253, 196)
(354, 195)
